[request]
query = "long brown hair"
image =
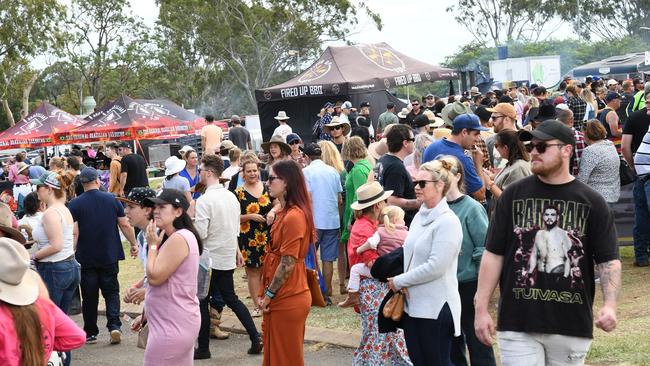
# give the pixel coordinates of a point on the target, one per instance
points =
(29, 333)
(296, 192)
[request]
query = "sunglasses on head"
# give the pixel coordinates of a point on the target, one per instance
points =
(540, 146)
(422, 183)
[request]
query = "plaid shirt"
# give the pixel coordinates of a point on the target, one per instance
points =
(575, 158)
(579, 109)
(481, 145)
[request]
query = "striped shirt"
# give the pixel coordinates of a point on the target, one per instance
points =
(642, 156)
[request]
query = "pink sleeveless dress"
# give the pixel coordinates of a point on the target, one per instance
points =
(172, 310)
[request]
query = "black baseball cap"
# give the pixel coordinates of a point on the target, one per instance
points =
(611, 96)
(169, 196)
(312, 149)
(550, 130)
(124, 144)
(365, 104)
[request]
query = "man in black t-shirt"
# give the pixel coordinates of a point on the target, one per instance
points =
(392, 174)
(416, 111)
(547, 230)
(635, 129)
(134, 170)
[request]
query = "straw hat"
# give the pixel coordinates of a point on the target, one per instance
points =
(185, 149)
(337, 122)
(21, 167)
(174, 165)
(282, 115)
(403, 113)
(378, 149)
(6, 225)
(279, 140)
(369, 194)
(434, 122)
(18, 284)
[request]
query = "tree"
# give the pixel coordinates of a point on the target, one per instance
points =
(104, 40)
(502, 21)
(250, 40)
(27, 28)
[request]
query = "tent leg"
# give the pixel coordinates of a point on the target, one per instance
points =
(45, 156)
(135, 147)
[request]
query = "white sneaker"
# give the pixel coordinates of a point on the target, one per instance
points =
(116, 336)
(256, 313)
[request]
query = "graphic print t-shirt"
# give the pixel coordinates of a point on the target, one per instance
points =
(549, 237)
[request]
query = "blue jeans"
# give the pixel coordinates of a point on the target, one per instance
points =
(479, 354)
(641, 230)
(92, 280)
(61, 279)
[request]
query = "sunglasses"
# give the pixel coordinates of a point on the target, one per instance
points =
(295, 142)
(540, 146)
(422, 183)
(336, 127)
(415, 104)
(411, 139)
(272, 178)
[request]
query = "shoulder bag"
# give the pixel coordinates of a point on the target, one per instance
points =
(394, 308)
(314, 283)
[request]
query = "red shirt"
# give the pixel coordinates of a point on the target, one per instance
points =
(362, 229)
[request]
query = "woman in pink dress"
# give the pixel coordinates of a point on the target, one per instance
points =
(171, 305)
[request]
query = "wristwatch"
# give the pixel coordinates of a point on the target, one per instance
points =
(153, 247)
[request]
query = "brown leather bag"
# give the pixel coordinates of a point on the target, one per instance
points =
(389, 307)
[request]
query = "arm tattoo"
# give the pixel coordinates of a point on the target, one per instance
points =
(285, 269)
(610, 279)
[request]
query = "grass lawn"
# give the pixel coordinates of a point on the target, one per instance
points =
(629, 344)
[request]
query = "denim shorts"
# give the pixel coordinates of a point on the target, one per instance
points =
(328, 242)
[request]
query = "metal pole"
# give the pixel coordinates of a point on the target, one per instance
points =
(81, 96)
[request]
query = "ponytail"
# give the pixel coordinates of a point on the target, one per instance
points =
(390, 215)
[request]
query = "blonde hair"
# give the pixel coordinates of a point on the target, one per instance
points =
(588, 97)
(456, 168)
(422, 140)
(389, 216)
(354, 149)
(234, 154)
(330, 155)
(247, 157)
(440, 170)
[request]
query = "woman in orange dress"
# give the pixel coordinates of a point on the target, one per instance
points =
(285, 299)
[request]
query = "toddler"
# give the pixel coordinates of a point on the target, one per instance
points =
(389, 236)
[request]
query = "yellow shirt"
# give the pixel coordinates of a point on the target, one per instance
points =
(213, 135)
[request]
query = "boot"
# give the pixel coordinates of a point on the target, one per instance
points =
(215, 320)
(351, 300)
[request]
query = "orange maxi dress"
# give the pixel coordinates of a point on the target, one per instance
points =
(283, 326)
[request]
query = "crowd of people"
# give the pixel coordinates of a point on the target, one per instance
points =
(436, 205)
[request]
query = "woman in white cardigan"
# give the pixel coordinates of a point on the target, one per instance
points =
(432, 307)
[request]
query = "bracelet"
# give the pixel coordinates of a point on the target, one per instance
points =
(270, 294)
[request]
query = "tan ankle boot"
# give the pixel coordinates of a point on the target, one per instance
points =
(351, 300)
(215, 320)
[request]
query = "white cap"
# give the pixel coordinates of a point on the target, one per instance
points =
(612, 82)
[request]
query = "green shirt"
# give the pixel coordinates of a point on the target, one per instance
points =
(474, 222)
(357, 176)
(385, 119)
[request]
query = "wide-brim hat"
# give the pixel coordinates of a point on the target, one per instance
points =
(369, 194)
(279, 140)
(378, 149)
(337, 122)
(174, 165)
(453, 110)
(6, 225)
(282, 115)
(185, 149)
(403, 113)
(22, 167)
(437, 122)
(18, 284)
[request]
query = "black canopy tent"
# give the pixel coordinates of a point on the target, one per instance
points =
(631, 63)
(357, 73)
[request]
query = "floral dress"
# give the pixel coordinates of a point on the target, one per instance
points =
(376, 348)
(254, 236)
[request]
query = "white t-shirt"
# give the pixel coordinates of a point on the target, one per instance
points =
(283, 130)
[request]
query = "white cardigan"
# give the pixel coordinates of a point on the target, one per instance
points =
(434, 241)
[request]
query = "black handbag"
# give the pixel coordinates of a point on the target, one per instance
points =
(626, 174)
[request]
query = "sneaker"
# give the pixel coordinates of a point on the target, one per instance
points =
(201, 354)
(256, 313)
(91, 339)
(116, 336)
